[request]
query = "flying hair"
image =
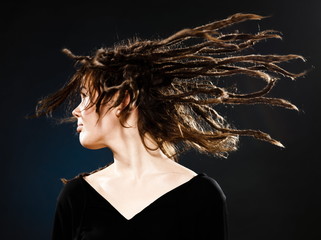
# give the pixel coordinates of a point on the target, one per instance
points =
(171, 83)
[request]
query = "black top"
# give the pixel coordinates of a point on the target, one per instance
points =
(195, 209)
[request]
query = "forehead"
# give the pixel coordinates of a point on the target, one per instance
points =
(84, 84)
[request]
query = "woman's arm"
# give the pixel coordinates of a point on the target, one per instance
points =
(62, 225)
(213, 218)
(68, 212)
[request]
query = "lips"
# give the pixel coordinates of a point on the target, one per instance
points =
(79, 127)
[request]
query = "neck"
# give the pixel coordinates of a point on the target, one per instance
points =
(131, 157)
(133, 160)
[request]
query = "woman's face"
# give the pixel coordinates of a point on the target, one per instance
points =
(93, 134)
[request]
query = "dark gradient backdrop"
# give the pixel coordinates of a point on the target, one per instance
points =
(272, 193)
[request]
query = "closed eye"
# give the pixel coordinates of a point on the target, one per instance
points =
(81, 92)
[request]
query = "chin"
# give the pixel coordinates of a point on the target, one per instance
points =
(86, 143)
(91, 146)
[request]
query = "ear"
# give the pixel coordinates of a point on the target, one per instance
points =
(123, 104)
(125, 101)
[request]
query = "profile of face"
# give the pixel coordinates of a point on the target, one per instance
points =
(93, 134)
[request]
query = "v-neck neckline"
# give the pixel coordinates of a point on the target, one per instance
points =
(155, 201)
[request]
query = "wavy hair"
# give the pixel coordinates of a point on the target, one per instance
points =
(171, 84)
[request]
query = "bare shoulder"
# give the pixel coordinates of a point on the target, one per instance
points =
(171, 173)
(97, 175)
(184, 171)
(179, 173)
(94, 178)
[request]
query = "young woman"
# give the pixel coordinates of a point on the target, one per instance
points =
(148, 101)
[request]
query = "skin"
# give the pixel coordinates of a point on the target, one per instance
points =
(136, 173)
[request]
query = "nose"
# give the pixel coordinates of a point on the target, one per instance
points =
(76, 112)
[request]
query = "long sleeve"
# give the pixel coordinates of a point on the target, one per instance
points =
(62, 226)
(212, 222)
(68, 212)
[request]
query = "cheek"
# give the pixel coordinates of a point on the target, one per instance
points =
(107, 122)
(88, 112)
(96, 136)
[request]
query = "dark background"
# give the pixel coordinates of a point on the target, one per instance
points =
(272, 193)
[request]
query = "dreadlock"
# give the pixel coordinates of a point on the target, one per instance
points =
(171, 84)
